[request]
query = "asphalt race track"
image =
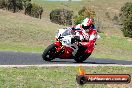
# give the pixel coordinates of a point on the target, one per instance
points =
(20, 58)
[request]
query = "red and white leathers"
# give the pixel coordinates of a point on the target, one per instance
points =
(88, 37)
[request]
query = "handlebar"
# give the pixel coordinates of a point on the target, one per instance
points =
(60, 37)
(75, 39)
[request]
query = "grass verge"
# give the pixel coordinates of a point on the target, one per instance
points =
(55, 77)
(113, 47)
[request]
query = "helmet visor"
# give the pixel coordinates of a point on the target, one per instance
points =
(85, 27)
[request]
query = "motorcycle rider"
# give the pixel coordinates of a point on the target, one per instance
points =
(87, 33)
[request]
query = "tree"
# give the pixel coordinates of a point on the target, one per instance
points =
(126, 19)
(61, 16)
(83, 13)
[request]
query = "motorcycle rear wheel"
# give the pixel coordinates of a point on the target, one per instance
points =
(49, 53)
(81, 58)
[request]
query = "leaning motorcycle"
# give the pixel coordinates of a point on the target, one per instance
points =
(67, 46)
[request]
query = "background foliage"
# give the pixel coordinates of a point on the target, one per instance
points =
(126, 19)
(29, 8)
(83, 13)
(61, 16)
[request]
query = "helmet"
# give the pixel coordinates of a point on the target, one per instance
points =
(87, 23)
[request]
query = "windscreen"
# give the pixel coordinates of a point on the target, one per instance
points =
(67, 32)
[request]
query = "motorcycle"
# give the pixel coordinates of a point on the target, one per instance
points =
(67, 46)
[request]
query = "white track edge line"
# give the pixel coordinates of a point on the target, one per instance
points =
(65, 65)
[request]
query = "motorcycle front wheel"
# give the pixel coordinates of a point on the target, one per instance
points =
(49, 53)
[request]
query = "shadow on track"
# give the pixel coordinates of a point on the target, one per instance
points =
(94, 61)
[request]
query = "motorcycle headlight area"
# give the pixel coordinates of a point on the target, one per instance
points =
(66, 40)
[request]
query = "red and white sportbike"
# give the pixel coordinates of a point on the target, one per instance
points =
(67, 46)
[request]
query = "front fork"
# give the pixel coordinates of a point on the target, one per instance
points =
(59, 48)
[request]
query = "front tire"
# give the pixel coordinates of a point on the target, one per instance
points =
(49, 53)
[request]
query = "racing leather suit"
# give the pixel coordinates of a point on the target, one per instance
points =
(88, 38)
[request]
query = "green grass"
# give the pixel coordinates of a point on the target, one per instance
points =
(113, 47)
(100, 6)
(27, 34)
(19, 32)
(48, 6)
(23, 33)
(56, 77)
(20, 47)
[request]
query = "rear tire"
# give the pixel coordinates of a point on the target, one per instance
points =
(81, 58)
(49, 53)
